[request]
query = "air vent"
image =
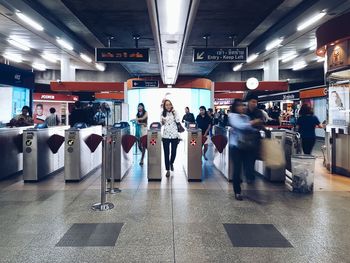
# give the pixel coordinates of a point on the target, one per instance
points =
(171, 42)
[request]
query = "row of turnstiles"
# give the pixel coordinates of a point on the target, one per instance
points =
(43, 151)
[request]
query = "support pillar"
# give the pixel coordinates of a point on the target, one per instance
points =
(67, 71)
(271, 68)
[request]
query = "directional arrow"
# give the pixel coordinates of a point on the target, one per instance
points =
(200, 55)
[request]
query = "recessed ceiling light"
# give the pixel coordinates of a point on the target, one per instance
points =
(237, 67)
(18, 43)
(85, 58)
(299, 65)
(274, 43)
(100, 67)
(289, 57)
(50, 57)
(40, 67)
(13, 57)
(65, 44)
(30, 21)
(311, 21)
(252, 57)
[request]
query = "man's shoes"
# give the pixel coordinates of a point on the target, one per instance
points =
(238, 197)
(172, 167)
(167, 173)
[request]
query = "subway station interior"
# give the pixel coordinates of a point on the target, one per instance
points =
(175, 131)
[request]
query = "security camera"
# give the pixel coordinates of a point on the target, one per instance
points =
(59, 81)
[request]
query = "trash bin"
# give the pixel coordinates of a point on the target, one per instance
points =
(303, 169)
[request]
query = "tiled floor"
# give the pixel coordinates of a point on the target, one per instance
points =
(173, 220)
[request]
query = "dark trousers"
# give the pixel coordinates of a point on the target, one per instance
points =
(308, 144)
(166, 146)
(239, 159)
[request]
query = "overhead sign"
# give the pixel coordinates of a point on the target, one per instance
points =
(220, 54)
(115, 55)
(294, 95)
(145, 83)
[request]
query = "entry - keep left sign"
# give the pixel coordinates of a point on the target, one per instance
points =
(220, 54)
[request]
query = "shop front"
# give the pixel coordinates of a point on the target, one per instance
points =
(43, 102)
(15, 91)
(333, 43)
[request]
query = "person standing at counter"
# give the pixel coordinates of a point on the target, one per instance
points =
(204, 123)
(169, 120)
(52, 119)
(254, 114)
(240, 146)
(306, 125)
(23, 119)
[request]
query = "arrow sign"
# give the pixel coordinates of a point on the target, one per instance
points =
(200, 56)
(220, 54)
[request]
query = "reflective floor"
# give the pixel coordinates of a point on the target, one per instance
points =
(174, 221)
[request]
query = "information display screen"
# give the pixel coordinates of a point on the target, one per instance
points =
(12, 99)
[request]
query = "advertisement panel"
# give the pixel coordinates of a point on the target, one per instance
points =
(339, 105)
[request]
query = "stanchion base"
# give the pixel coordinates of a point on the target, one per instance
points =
(113, 191)
(102, 207)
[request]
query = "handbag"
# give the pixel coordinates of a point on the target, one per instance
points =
(179, 127)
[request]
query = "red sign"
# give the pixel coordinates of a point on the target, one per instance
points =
(56, 97)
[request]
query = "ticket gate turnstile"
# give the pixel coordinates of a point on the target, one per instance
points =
(222, 161)
(193, 153)
(83, 152)
(154, 152)
(275, 174)
(118, 160)
(42, 152)
(11, 151)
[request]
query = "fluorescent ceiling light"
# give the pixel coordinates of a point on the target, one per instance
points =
(237, 67)
(252, 57)
(299, 65)
(100, 67)
(274, 43)
(18, 44)
(289, 57)
(173, 10)
(311, 21)
(13, 57)
(50, 57)
(64, 44)
(171, 56)
(40, 67)
(30, 21)
(86, 58)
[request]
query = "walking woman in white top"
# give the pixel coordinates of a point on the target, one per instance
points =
(170, 135)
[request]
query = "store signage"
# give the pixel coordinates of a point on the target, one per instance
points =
(115, 55)
(56, 97)
(281, 97)
(314, 93)
(220, 54)
(145, 83)
(338, 56)
(16, 77)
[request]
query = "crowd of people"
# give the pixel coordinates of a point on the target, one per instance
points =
(246, 119)
(90, 114)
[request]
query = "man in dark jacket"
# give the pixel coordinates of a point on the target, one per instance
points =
(188, 117)
(254, 113)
